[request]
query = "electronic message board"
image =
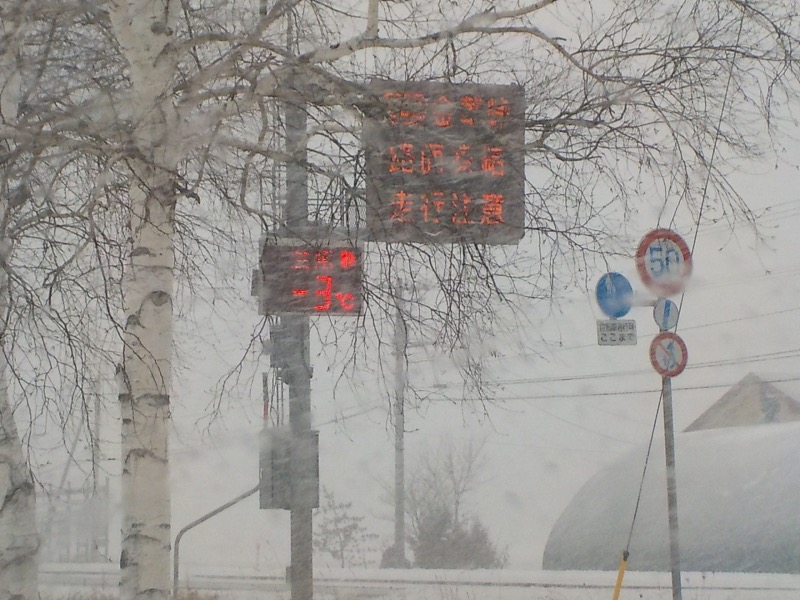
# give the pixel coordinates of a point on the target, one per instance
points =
(311, 280)
(444, 162)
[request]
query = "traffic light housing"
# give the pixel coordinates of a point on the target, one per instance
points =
(288, 469)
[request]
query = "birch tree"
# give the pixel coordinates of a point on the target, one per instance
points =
(144, 31)
(630, 103)
(51, 342)
(19, 540)
(18, 534)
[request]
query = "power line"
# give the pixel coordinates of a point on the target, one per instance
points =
(499, 399)
(779, 355)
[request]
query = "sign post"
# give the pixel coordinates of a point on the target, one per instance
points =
(672, 488)
(664, 263)
(668, 356)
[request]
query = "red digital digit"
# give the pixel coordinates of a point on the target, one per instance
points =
(492, 210)
(401, 158)
(462, 205)
(463, 159)
(443, 112)
(401, 207)
(425, 207)
(322, 260)
(493, 162)
(406, 115)
(470, 104)
(425, 162)
(498, 109)
(325, 292)
(431, 206)
(347, 259)
(431, 158)
(302, 260)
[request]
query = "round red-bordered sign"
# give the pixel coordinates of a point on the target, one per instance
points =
(664, 262)
(668, 354)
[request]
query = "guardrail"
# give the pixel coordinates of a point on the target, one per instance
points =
(421, 584)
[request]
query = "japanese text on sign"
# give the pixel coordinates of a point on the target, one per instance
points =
(616, 332)
(311, 280)
(444, 162)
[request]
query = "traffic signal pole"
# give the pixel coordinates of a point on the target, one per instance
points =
(301, 566)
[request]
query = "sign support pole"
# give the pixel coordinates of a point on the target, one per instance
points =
(301, 567)
(664, 262)
(400, 340)
(672, 493)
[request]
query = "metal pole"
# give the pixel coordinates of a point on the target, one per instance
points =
(177, 549)
(672, 493)
(301, 567)
(399, 558)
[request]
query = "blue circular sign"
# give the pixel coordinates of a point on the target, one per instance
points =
(614, 295)
(665, 314)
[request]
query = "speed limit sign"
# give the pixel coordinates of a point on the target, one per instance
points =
(664, 262)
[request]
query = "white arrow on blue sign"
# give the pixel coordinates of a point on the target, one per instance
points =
(614, 295)
(665, 314)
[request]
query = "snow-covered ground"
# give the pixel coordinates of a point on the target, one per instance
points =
(419, 584)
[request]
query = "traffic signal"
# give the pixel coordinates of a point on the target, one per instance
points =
(288, 469)
(288, 352)
(274, 468)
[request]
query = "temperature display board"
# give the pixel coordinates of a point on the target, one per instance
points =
(445, 162)
(311, 280)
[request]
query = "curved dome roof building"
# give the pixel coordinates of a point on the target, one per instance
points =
(738, 489)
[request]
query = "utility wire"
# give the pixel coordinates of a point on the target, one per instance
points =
(641, 481)
(779, 355)
(689, 328)
(593, 394)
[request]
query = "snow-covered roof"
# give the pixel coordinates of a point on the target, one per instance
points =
(738, 511)
(749, 402)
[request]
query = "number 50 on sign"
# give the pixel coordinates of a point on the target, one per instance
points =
(664, 262)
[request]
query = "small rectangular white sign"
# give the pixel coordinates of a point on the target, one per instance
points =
(616, 332)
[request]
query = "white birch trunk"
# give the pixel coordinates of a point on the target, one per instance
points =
(144, 30)
(19, 540)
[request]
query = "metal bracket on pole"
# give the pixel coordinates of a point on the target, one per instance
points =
(177, 545)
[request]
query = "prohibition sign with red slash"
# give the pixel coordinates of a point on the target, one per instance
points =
(668, 354)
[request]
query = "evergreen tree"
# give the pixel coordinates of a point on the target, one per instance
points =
(342, 534)
(442, 542)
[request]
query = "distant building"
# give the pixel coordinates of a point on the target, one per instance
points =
(74, 525)
(752, 401)
(738, 483)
